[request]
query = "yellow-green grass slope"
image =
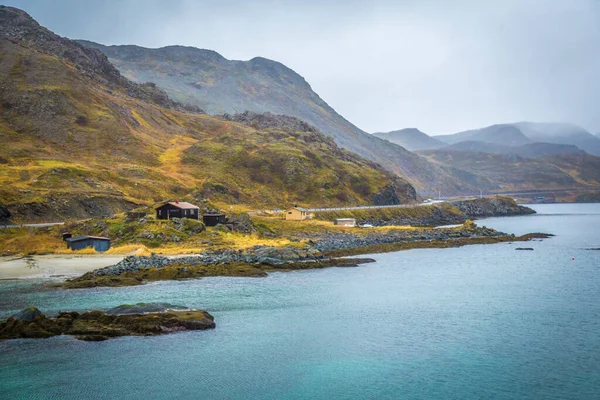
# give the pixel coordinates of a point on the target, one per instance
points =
(73, 147)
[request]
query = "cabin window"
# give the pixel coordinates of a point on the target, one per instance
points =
(159, 212)
(289, 212)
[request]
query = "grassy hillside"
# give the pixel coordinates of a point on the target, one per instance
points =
(217, 85)
(80, 140)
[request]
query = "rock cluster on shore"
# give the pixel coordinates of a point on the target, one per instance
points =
(125, 320)
(340, 240)
(255, 255)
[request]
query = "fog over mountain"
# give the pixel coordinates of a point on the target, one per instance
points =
(441, 66)
(411, 139)
(521, 133)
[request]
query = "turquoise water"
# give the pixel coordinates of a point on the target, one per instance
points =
(479, 322)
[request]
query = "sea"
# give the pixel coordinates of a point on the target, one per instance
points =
(477, 322)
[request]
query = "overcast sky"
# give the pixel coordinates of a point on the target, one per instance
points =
(439, 65)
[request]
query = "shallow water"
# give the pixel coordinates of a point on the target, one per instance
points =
(477, 322)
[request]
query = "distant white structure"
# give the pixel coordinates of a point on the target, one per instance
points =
(345, 222)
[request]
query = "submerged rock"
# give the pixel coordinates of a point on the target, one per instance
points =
(98, 325)
(28, 314)
(144, 308)
(524, 248)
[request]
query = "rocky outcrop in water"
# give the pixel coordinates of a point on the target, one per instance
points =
(98, 325)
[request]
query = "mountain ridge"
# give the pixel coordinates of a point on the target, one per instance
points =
(220, 86)
(82, 144)
(521, 133)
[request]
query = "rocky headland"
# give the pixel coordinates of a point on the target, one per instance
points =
(126, 320)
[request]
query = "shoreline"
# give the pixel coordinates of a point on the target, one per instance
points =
(331, 258)
(56, 265)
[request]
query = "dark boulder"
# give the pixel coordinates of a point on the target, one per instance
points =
(4, 213)
(28, 314)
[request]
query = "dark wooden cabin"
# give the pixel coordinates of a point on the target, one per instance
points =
(177, 209)
(214, 219)
(83, 242)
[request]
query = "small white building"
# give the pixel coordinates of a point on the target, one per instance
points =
(345, 222)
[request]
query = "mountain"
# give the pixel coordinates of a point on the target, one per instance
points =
(411, 139)
(503, 134)
(530, 150)
(517, 134)
(513, 172)
(79, 140)
(221, 86)
(561, 133)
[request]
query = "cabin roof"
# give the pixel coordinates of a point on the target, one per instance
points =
(299, 209)
(80, 238)
(184, 205)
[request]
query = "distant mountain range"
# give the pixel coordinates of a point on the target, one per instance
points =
(218, 85)
(516, 173)
(503, 134)
(531, 150)
(520, 156)
(517, 134)
(411, 139)
(496, 139)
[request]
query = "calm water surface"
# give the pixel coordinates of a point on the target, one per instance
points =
(479, 322)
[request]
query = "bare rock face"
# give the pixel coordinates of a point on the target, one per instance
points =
(492, 207)
(395, 193)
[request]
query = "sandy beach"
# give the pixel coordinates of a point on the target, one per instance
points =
(53, 265)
